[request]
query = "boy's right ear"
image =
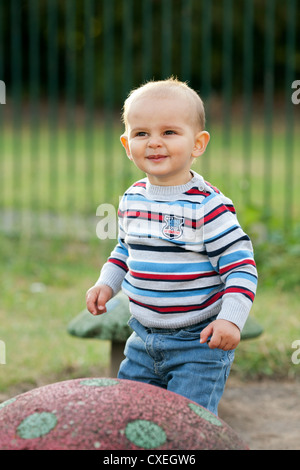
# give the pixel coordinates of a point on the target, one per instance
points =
(124, 142)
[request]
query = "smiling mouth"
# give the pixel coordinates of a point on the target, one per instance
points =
(156, 157)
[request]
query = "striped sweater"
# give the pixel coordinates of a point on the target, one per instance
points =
(181, 256)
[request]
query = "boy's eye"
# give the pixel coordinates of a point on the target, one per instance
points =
(140, 134)
(169, 132)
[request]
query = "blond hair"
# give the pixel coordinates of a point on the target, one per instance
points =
(162, 89)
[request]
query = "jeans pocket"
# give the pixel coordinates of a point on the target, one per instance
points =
(194, 331)
(138, 328)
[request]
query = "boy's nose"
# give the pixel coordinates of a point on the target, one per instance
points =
(154, 142)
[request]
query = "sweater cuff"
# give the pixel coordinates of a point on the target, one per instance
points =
(111, 276)
(235, 312)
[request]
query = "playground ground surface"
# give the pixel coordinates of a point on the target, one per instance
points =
(265, 413)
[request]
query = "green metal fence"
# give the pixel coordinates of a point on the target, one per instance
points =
(67, 66)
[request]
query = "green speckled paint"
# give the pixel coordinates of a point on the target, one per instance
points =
(99, 382)
(205, 414)
(37, 425)
(7, 402)
(145, 434)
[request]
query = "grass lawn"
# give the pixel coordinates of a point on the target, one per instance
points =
(43, 287)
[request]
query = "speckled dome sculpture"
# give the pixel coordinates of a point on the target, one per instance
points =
(109, 414)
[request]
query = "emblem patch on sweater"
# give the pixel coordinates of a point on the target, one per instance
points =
(173, 226)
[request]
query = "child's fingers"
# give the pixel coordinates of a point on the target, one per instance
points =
(96, 299)
(91, 301)
(206, 333)
(215, 341)
(104, 296)
(101, 304)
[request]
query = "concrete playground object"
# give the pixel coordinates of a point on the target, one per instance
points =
(112, 326)
(110, 414)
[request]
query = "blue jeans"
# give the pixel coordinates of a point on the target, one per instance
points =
(175, 360)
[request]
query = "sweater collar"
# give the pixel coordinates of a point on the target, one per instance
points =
(167, 191)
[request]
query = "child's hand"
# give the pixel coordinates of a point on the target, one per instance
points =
(224, 335)
(96, 298)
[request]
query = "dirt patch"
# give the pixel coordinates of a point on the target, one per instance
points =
(266, 415)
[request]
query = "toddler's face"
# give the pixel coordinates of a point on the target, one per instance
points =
(163, 138)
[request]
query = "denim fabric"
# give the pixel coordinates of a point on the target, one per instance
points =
(175, 360)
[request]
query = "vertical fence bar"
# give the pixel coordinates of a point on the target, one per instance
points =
(70, 93)
(247, 96)
(90, 176)
(166, 37)
(268, 104)
(2, 123)
(34, 129)
(206, 49)
(227, 85)
(186, 28)
(52, 90)
(128, 64)
(127, 29)
(206, 54)
(289, 136)
(16, 90)
(147, 39)
(108, 64)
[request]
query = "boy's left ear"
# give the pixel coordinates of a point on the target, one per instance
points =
(201, 141)
(124, 142)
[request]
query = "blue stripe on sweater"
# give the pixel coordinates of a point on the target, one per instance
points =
(144, 266)
(239, 255)
(243, 275)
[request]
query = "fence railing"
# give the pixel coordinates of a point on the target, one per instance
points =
(66, 67)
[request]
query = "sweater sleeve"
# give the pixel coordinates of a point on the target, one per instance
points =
(231, 254)
(114, 270)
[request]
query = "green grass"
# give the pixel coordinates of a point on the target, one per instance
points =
(270, 354)
(33, 324)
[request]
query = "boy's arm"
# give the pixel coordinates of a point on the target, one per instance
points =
(115, 269)
(231, 255)
(111, 277)
(110, 280)
(237, 270)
